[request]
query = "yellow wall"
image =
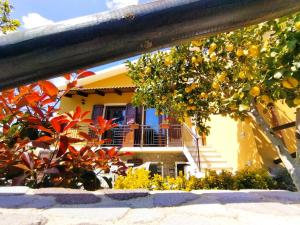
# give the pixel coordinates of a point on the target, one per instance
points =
(69, 104)
(243, 143)
(222, 137)
(121, 80)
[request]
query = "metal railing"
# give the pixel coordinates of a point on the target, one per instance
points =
(140, 135)
(191, 142)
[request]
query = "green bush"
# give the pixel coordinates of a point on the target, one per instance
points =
(247, 178)
(283, 179)
(214, 180)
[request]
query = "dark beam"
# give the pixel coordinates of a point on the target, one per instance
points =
(83, 94)
(284, 126)
(98, 92)
(277, 161)
(68, 95)
(118, 91)
(52, 50)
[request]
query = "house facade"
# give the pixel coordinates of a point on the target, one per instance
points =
(165, 146)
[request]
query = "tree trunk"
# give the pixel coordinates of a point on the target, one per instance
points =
(290, 164)
(298, 137)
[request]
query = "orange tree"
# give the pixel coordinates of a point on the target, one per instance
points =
(31, 124)
(228, 74)
(7, 23)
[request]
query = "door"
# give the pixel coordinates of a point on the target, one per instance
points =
(118, 113)
(153, 135)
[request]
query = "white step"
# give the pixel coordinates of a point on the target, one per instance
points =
(210, 154)
(211, 159)
(215, 165)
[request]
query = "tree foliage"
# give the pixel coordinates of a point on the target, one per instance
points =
(37, 146)
(223, 74)
(7, 23)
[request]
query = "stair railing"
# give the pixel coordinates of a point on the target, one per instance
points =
(191, 142)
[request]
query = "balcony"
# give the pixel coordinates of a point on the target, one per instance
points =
(135, 135)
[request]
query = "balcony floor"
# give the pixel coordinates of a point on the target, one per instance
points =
(152, 149)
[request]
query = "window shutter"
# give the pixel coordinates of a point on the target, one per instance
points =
(139, 114)
(130, 114)
(97, 111)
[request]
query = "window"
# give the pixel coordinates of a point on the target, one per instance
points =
(181, 168)
(116, 112)
(156, 168)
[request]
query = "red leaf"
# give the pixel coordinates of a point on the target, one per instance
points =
(87, 121)
(73, 150)
(63, 145)
(21, 166)
(70, 125)
(74, 140)
(112, 152)
(84, 135)
(32, 98)
(47, 101)
(57, 122)
(38, 111)
(77, 113)
(49, 88)
(33, 119)
(67, 76)
(84, 73)
(27, 159)
(44, 139)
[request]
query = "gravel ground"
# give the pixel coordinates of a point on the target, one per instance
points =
(23, 206)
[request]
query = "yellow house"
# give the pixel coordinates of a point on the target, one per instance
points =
(168, 148)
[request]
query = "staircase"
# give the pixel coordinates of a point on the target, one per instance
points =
(201, 158)
(210, 159)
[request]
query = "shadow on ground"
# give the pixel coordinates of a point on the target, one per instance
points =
(45, 199)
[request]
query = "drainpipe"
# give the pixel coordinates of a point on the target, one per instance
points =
(84, 42)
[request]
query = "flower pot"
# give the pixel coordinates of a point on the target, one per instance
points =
(134, 126)
(164, 126)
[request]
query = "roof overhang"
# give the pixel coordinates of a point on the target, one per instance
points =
(85, 92)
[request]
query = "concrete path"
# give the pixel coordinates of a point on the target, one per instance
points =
(23, 206)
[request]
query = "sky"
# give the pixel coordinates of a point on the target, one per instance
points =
(35, 13)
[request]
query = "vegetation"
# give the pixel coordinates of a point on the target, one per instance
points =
(6, 23)
(228, 74)
(247, 178)
(36, 144)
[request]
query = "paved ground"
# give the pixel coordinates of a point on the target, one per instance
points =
(22, 206)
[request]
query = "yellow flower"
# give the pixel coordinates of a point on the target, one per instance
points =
(203, 95)
(215, 85)
(168, 61)
(197, 43)
(253, 51)
(148, 70)
(213, 57)
(229, 47)
(290, 83)
(239, 52)
(213, 46)
(297, 26)
(254, 91)
(296, 101)
(265, 99)
(242, 75)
